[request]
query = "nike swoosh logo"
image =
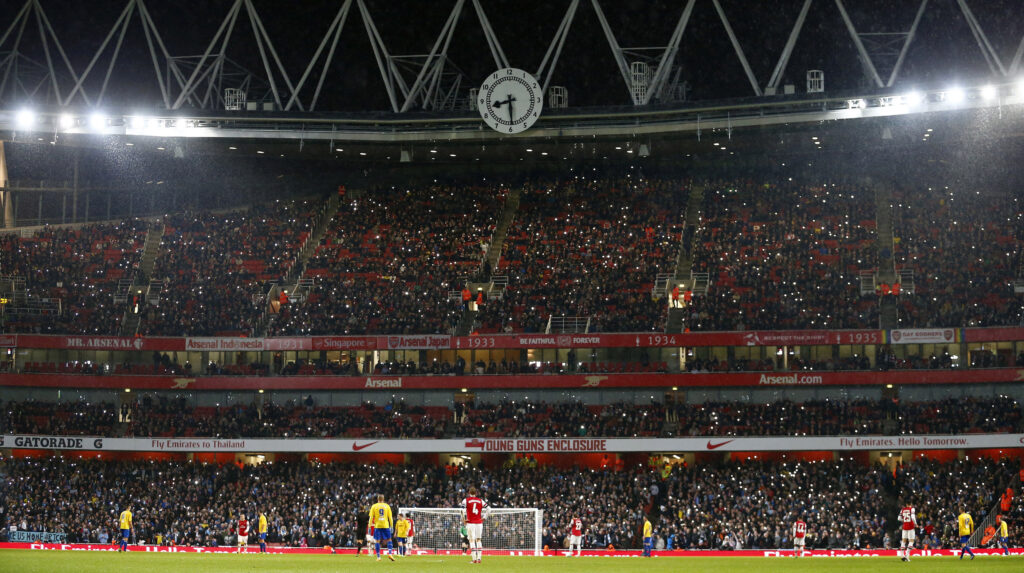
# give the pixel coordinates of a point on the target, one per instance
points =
(356, 448)
(714, 446)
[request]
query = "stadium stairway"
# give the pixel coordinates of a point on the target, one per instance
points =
(295, 282)
(489, 263)
(990, 518)
(684, 260)
(466, 321)
(888, 308)
(327, 213)
(508, 214)
(891, 502)
(154, 237)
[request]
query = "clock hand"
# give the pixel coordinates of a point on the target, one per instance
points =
(511, 117)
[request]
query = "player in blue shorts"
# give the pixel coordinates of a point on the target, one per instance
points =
(648, 538)
(125, 525)
(401, 532)
(966, 526)
(261, 530)
(1002, 535)
(380, 518)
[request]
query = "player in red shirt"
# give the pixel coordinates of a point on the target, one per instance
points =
(474, 523)
(576, 536)
(799, 537)
(412, 532)
(243, 534)
(909, 531)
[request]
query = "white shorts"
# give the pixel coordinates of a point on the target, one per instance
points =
(575, 540)
(909, 535)
(243, 540)
(799, 541)
(474, 531)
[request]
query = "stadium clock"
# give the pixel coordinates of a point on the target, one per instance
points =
(510, 100)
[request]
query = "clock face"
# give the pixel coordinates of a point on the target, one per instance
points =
(510, 100)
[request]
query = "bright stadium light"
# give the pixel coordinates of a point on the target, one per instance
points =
(66, 121)
(914, 98)
(956, 95)
(25, 119)
(141, 122)
(988, 92)
(97, 121)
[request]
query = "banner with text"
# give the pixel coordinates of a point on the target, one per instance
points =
(505, 381)
(923, 336)
(514, 445)
(415, 342)
(224, 343)
(487, 341)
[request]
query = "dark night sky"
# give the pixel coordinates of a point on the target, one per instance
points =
(944, 51)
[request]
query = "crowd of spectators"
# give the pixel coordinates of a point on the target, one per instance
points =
(589, 248)
(936, 489)
(174, 417)
(513, 419)
(846, 505)
(846, 417)
(735, 505)
(78, 268)
(390, 258)
(779, 254)
(886, 360)
(965, 249)
(215, 267)
(783, 255)
(754, 504)
(161, 416)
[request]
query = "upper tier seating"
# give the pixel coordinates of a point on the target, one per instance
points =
(589, 248)
(79, 266)
(784, 256)
(780, 255)
(966, 249)
(215, 267)
(389, 259)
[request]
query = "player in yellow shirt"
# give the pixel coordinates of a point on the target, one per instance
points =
(1002, 534)
(401, 532)
(125, 525)
(380, 518)
(648, 534)
(966, 525)
(261, 530)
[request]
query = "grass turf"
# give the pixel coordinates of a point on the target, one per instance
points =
(27, 561)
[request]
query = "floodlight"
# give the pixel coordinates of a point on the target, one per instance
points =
(97, 121)
(914, 98)
(955, 95)
(66, 121)
(25, 119)
(988, 92)
(141, 122)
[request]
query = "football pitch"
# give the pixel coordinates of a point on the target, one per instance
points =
(27, 561)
